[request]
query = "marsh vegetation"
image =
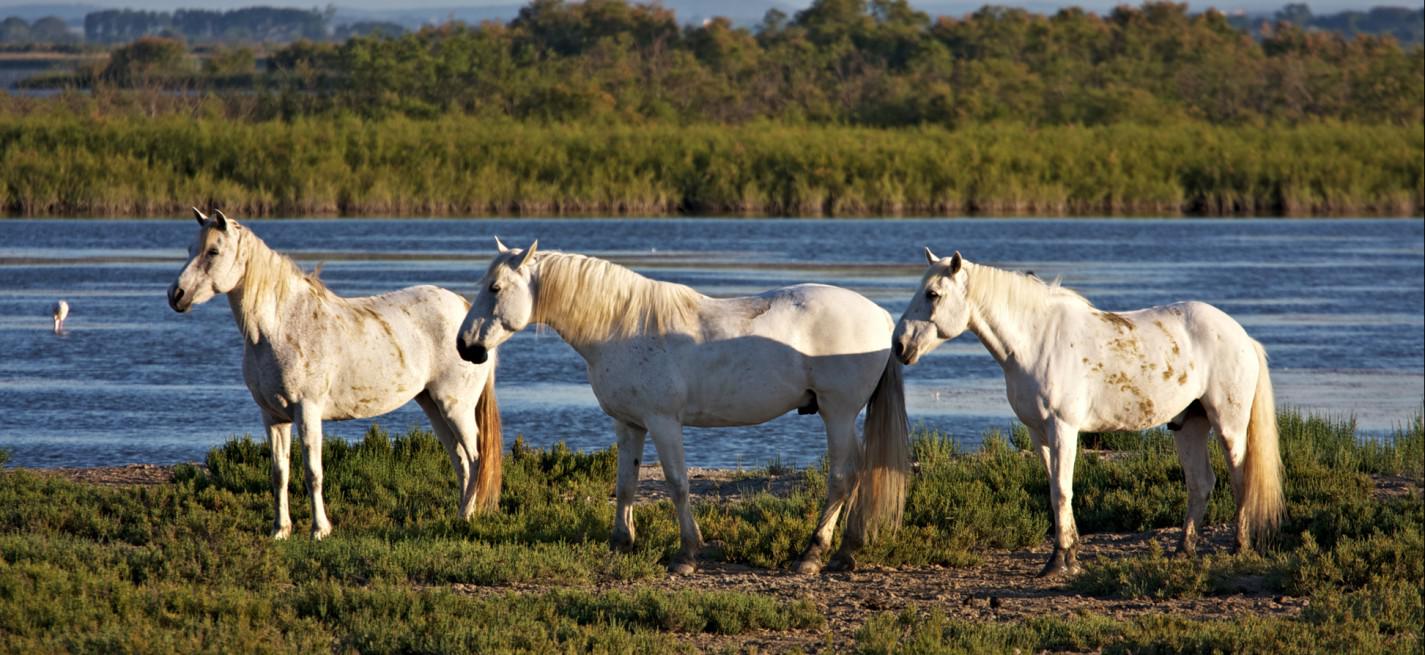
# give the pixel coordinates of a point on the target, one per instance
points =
(185, 564)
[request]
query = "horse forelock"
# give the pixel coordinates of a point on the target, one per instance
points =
(589, 299)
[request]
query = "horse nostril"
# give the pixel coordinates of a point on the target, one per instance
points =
(898, 349)
(177, 293)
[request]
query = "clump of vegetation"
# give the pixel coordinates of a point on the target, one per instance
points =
(188, 566)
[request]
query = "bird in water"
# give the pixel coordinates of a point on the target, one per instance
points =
(60, 311)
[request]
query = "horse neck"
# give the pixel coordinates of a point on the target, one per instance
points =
(612, 314)
(268, 293)
(1001, 321)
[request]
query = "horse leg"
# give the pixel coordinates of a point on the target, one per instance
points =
(1233, 434)
(459, 459)
(668, 440)
(279, 440)
(630, 450)
(1191, 442)
(309, 421)
(1064, 442)
(844, 457)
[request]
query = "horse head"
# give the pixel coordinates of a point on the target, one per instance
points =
(503, 304)
(939, 311)
(214, 265)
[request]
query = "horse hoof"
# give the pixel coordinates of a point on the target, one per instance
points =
(282, 533)
(321, 533)
(621, 543)
(808, 567)
(843, 562)
(682, 568)
(1060, 565)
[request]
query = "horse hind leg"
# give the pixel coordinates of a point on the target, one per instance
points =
(459, 457)
(844, 457)
(1231, 426)
(668, 439)
(1190, 438)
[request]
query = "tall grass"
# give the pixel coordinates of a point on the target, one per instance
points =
(62, 165)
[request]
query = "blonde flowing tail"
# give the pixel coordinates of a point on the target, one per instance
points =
(1262, 504)
(489, 472)
(879, 501)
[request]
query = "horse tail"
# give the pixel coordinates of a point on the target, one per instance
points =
(1262, 502)
(879, 501)
(487, 420)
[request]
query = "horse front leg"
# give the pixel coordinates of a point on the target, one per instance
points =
(668, 440)
(630, 452)
(1063, 441)
(309, 420)
(279, 441)
(844, 464)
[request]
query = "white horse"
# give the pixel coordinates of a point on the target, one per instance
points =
(662, 356)
(1069, 367)
(310, 355)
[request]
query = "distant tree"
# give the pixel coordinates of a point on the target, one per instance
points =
(51, 30)
(147, 59)
(14, 30)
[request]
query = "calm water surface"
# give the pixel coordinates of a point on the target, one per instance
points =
(1339, 305)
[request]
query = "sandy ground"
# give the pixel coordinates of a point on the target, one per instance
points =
(1000, 588)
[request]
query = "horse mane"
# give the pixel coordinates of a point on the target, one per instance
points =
(589, 299)
(991, 287)
(269, 280)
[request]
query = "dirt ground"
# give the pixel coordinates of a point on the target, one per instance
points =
(1000, 588)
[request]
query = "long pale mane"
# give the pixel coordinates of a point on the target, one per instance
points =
(269, 280)
(997, 289)
(589, 299)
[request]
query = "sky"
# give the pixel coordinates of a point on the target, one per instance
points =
(1254, 6)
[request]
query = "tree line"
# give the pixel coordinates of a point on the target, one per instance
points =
(862, 62)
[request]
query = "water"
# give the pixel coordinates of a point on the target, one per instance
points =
(1339, 304)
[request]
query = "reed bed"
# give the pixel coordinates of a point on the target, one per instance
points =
(461, 166)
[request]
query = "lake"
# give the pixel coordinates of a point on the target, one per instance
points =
(1339, 304)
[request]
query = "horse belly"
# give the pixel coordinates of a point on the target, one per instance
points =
(746, 384)
(748, 405)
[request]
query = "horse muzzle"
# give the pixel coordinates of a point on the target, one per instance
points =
(472, 354)
(178, 300)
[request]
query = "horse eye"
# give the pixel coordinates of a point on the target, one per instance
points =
(494, 287)
(932, 294)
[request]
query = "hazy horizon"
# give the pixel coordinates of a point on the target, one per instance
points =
(1251, 6)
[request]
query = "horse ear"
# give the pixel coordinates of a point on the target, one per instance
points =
(955, 262)
(527, 255)
(930, 257)
(221, 220)
(500, 245)
(200, 216)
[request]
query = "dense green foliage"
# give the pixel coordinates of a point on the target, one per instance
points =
(867, 62)
(187, 566)
(460, 166)
(847, 107)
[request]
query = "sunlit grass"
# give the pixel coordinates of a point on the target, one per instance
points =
(187, 565)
